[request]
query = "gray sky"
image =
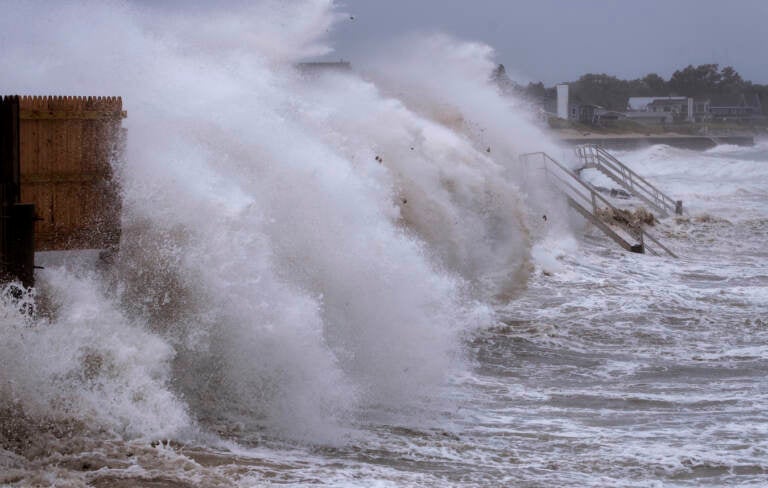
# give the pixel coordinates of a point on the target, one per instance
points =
(559, 40)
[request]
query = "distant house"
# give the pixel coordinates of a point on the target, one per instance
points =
(677, 106)
(680, 108)
(674, 105)
(735, 107)
(588, 113)
(723, 107)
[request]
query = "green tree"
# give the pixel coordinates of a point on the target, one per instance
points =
(601, 89)
(536, 90)
(656, 84)
(696, 81)
(730, 81)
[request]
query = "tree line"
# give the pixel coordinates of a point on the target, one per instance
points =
(700, 82)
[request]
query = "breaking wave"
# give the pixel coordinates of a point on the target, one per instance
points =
(296, 250)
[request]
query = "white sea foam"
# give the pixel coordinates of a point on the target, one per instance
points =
(91, 365)
(703, 179)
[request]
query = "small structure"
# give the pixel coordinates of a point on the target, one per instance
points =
(585, 113)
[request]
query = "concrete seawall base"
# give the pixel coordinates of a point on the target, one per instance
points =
(699, 143)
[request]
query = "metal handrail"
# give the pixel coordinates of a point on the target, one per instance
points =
(657, 194)
(636, 184)
(640, 234)
(593, 194)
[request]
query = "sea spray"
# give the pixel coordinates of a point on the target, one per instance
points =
(448, 81)
(450, 195)
(91, 366)
(288, 261)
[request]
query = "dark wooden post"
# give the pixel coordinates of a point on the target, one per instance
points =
(9, 150)
(20, 257)
(17, 221)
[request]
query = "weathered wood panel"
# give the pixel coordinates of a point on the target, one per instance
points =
(68, 146)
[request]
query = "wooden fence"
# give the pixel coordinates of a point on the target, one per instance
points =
(67, 147)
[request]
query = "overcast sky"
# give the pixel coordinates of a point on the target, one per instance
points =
(559, 40)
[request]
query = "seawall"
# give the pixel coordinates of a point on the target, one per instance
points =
(699, 143)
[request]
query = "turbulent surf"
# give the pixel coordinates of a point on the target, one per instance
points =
(343, 277)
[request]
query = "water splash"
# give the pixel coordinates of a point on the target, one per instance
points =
(294, 251)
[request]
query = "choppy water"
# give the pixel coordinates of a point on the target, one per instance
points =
(610, 369)
(345, 280)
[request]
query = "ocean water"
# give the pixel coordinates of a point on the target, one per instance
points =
(345, 279)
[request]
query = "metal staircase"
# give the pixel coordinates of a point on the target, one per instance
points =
(594, 156)
(592, 206)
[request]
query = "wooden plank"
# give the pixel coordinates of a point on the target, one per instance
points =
(75, 147)
(59, 157)
(91, 146)
(28, 148)
(45, 146)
